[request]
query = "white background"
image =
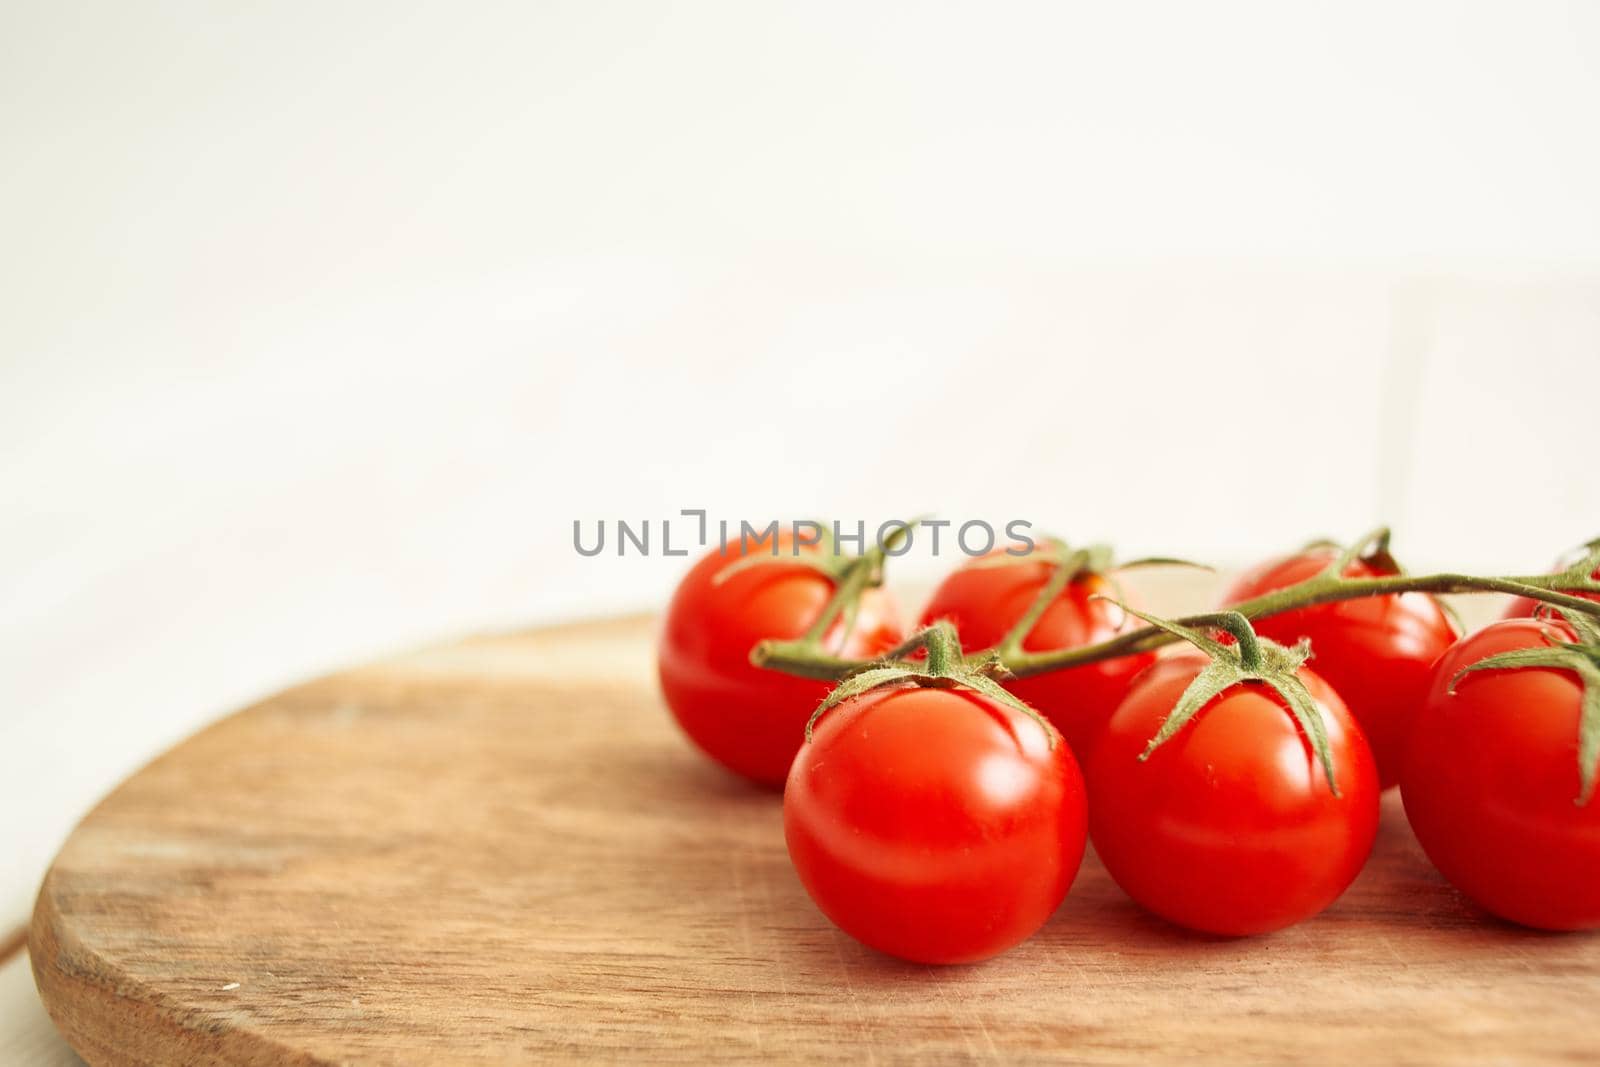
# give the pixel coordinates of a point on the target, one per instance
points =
(321, 323)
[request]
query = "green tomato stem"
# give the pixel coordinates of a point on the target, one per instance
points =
(796, 657)
(1068, 565)
(1323, 589)
(944, 650)
(806, 655)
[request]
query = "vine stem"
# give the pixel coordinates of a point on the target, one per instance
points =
(848, 590)
(1326, 588)
(1068, 565)
(807, 655)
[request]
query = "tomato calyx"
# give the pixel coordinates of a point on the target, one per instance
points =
(1069, 565)
(851, 577)
(1581, 657)
(1371, 549)
(1585, 566)
(944, 667)
(1250, 658)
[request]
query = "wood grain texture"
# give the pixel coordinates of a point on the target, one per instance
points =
(502, 851)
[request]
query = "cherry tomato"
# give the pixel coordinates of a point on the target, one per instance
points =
(1491, 781)
(1523, 607)
(1376, 652)
(936, 825)
(752, 720)
(984, 602)
(1229, 827)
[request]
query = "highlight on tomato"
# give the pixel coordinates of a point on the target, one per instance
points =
(989, 596)
(937, 823)
(1377, 652)
(753, 721)
(1500, 770)
(1233, 795)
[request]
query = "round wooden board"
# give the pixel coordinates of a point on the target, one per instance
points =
(502, 850)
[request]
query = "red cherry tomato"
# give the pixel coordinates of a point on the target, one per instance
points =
(1523, 607)
(1229, 827)
(1491, 781)
(936, 825)
(985, 602)
(1376, 652)
(752, 720)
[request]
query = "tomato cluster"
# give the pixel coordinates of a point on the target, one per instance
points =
(940, 820)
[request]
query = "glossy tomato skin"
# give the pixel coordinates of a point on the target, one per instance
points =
(1229, 827)
(752, 720)
(934, 824)
(986, 601)
(1491, 779)
(1376, 652)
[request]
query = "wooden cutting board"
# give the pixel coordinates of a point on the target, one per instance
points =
(502, 850)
